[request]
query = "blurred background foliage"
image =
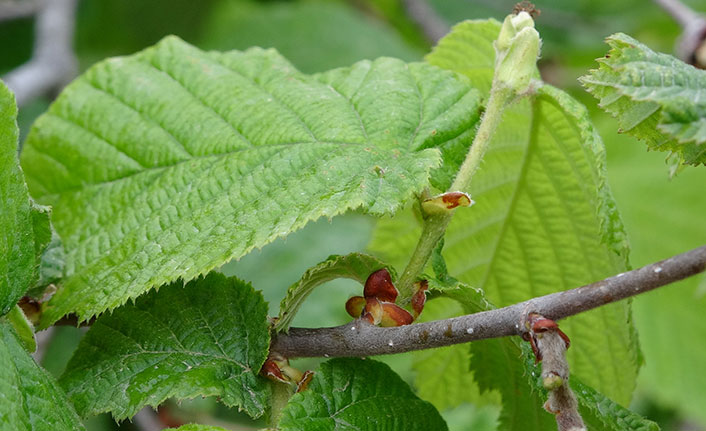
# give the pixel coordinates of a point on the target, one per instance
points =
(663, 216)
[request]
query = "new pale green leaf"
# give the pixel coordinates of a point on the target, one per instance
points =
(468, 49)
(544, 221)
(208, 338)
(30, 399)
(654, 96)
(173, 161)
(21, 223)
(356, 266)
(356, 394)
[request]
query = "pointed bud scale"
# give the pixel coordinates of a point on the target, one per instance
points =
(394, 315)
(271, 370)
(379, 285)
(355, 306)
(419, 297)
(304, 382)
(373, 311)
(446, 202)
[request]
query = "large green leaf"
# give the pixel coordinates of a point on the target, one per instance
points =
(468, 49)
(21, 223)
(350, 33)
(31, 399)
(506, 365)
(655, 97)
(173, 161)
(356, 266)
(356, 394)
(208, 337)
(544, 221)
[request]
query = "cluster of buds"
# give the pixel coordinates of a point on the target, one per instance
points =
(277, 368)
(377, 305)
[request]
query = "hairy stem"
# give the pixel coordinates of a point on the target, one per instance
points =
(435, 225)
(359, 338)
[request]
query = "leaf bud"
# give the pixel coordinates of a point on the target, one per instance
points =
(379, 285)
(355, 306)
(517, 49)
(394, 315)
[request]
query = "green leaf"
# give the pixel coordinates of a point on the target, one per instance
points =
(208, 337)
(655, 97)
(544, 221)
(31, 399)
(600, 413)
(357, 394)
(23, 328)
(350, 33)
(18, 263)
(356, 266)
(468, 49)
(498, 364)
(442, 375)
(173, 161)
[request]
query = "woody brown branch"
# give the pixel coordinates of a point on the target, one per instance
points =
(359, 338)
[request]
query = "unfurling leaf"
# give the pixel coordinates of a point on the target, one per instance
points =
(655, 97)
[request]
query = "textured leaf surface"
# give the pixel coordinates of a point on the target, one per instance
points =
(601, 413)
(173, 161)
(544, 221)
(468, 49)
(654, 96)
(30, 399)
(356, 394)
(206, 338)
(356, 266)
(18, 261)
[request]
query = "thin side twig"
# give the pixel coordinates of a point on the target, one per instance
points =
(360, 338)
(693, 27)
(432, 25)
(53, 63)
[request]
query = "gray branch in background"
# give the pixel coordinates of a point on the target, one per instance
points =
(360, 338)
(425, 16)
(11, 9)
(147, 420)
(53, 63)
(693, 27)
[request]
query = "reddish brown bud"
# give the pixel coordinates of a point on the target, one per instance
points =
(271, 370)
(379, 285)
(355, 306)
(373, 311)
(304, 382)
(394, 315)
(446, 202)
(419, 297)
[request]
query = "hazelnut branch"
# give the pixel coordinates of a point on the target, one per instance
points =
(360, 338)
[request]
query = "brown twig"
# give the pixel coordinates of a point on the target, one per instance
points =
(360, 338)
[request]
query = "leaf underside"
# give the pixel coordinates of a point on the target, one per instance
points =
(356, 266)
(31, 399)
(655, 97)
(544, 221)
(173, 161)
(206, 338)
(356, 394)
